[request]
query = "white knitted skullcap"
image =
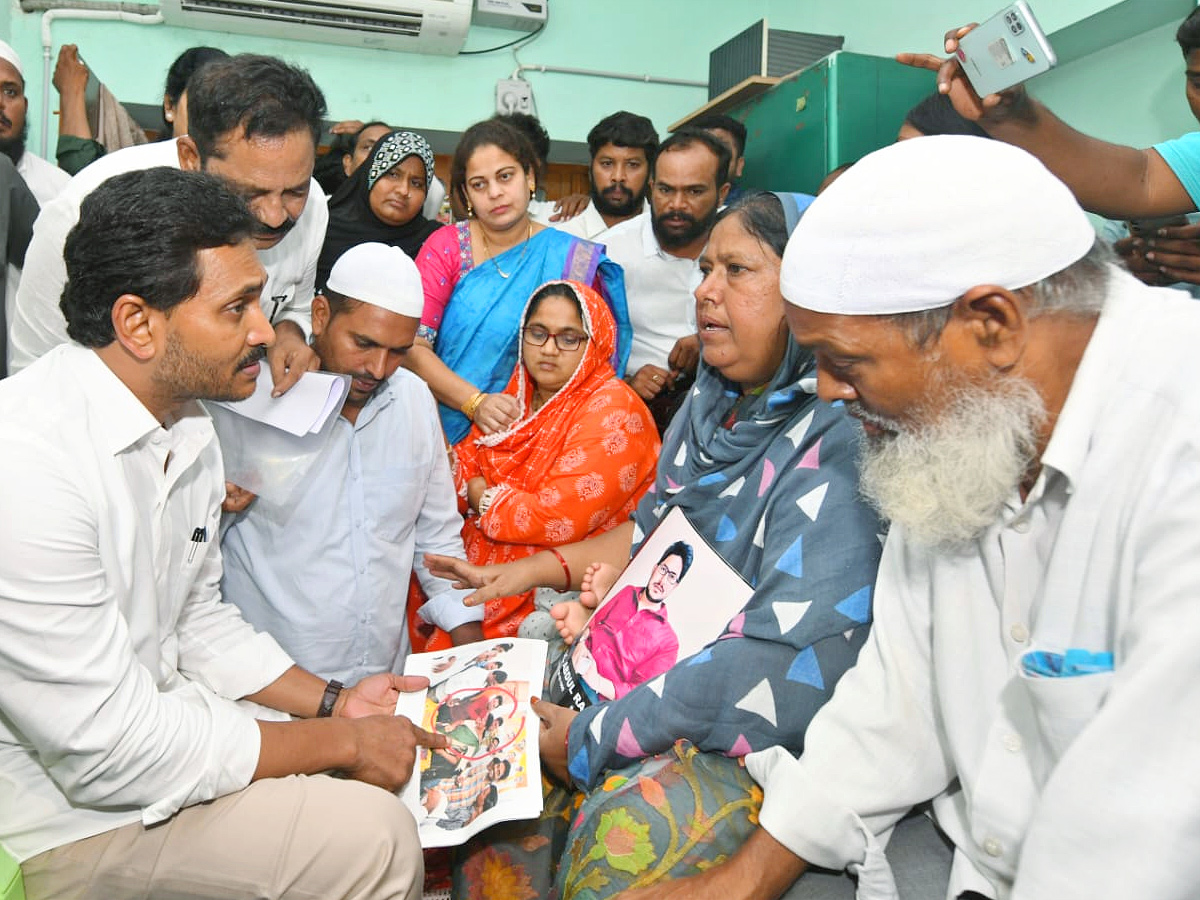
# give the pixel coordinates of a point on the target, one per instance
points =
(917, 224)
(8, 54)
(380, 275)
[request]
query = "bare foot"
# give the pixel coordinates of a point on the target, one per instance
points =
(571, 617)
(598, 578)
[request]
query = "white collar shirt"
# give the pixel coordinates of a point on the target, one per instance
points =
(328, 574)
(120, 666)
(1082, 786)
(37, 323)
(660, 290)
(44, 179)
(589, 224)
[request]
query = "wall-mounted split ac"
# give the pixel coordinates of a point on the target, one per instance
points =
(418, 26)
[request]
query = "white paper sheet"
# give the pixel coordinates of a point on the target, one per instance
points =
(302, 410)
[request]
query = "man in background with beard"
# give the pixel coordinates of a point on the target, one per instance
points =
(44, 178)
(1033, 434)
(622, 147)
(658, 251)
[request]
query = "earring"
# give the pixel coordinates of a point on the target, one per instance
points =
(532, 192)
(170, 117)
(470, 210)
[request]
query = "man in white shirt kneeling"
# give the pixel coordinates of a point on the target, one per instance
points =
(328, 574)
(130, 762)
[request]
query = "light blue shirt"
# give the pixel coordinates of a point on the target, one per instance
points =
(328, 577)
(1182, 154)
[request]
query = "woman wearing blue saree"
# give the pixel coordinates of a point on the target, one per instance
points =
(479, 273)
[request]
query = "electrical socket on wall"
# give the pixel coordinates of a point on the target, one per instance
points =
(514, 95)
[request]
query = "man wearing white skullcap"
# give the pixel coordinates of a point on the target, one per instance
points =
(328, 577)
(43, 179)
(1032, 431)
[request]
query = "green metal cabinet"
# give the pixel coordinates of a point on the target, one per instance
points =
(835, 112)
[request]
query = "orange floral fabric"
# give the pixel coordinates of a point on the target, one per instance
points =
(576, 467)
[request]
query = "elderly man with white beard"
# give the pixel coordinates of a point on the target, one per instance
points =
(1032, 431)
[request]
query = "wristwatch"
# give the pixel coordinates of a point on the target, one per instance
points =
(332, 690)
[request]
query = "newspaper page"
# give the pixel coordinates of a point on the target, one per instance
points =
(479, 698)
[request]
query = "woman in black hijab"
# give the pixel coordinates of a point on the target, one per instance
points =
(381, 202)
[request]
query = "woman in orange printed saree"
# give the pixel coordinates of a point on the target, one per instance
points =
(575, 464)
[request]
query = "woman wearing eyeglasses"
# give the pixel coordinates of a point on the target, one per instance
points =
(574, 464)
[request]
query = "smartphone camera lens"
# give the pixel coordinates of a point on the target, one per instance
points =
(1016, 28)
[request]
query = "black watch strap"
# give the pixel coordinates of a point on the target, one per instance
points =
(332, 690)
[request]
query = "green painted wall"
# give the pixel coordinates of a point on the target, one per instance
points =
(1104, 92)
(447, 93)
(1131, 93)
(885, 27)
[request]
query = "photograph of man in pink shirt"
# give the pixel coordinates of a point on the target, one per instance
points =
(629, 640)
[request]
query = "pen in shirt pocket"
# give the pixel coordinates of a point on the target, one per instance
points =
(199, 536)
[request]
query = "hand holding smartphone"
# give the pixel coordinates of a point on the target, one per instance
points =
(1006, 50)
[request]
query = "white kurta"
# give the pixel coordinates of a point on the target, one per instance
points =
(1050, 787)
(44, 181)
(329, 577)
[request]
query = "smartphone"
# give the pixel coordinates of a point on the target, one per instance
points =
(1004, 51)
(1149, 227)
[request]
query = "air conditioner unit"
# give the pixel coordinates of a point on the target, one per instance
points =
(417, 26)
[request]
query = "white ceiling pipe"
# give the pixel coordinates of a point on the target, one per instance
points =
(623, 76)
(48, 18)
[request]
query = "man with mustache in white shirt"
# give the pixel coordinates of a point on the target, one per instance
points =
(147, 740)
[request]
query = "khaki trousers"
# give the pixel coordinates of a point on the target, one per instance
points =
(299, 838)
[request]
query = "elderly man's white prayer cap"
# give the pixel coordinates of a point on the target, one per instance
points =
(9, 55)
(917, 224)
(380, 275)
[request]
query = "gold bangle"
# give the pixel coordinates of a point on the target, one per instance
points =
(469, 408)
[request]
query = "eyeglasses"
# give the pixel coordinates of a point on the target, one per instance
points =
(566, 341)
(666, 573)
